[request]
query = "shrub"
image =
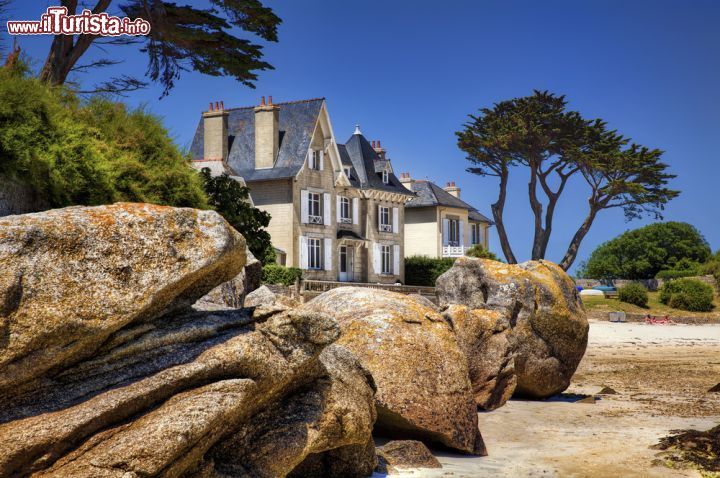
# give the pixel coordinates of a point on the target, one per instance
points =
(424, 271)
(673, 274)
(633, 293)
(687, 294)
(96, 152)
(277, 274)
(480, 252)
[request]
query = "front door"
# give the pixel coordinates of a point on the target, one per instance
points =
(346, 264)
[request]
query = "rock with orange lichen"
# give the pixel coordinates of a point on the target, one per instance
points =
(421, 373)
(483, 335)
(540, 314)
(72, 277)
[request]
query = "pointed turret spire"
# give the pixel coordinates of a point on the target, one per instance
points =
(357, 129)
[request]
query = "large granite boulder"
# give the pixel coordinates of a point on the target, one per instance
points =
(72, 277)
(174, 399)
(232, 293)
(159, 389)
(421, 373)
(538, 311)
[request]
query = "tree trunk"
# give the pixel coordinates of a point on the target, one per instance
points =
(574, 246)
(537, 208)
(64, 51)
(497, 210)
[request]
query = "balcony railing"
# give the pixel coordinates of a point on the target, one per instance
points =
(345, 220)
(315, 219)
(454, 251)
(385, 227)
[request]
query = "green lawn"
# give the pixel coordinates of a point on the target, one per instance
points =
(597, 303)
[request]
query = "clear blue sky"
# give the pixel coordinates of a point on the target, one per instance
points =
(410, 71)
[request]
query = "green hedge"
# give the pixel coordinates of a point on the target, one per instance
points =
(634, 293)
(673, 274)
(424, 271)
(277, 274)
(687, 294)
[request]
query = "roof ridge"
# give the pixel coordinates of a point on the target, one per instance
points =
(278, 104)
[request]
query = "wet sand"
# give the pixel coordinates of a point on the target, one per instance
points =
(661, 373)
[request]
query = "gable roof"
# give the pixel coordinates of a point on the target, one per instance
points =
(429, 194)
(366, 164)
(297, 120)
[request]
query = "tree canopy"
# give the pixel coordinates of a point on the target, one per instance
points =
(642, 253)
(181, 38)
(232, 201)
(89, 153)
(552, 144)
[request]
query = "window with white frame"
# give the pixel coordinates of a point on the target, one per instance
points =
(386, 254)
(315, 208)
(345, 210)
(385, 177)
(475, 232)
(384, 221)
(315, 160)
(314, 253)
(348, 172)
(454, 232)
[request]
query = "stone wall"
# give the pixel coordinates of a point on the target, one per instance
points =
(16, 198)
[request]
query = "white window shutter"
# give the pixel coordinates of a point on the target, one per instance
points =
(356, 210)
(326, 209)
(462, 233)
(377, 265)
(303, 252)
(396, 260)
(322, 159)
(379, 208)
(396, 220)
(446, 232)
(304, 205)
(328, 249)
(338, 208)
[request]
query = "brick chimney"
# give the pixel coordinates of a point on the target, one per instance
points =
(407, 181)
(452, 189)
(267, 134)
(379, 149)
(215, 125)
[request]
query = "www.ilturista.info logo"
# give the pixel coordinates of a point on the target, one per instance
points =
(57, 22)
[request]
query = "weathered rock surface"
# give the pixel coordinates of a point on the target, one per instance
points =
(233, 292)
(421, 373)
(262, 296)
(332, 415)
(483, 335)
(547, 328)
(158, 411)
(72, 277)
(398, 454)
(159, 389)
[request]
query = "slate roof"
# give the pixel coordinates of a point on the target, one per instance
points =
(364, 161)
(429, 194)
(297, 121)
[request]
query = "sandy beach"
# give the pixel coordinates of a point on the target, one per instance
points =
(661, 374)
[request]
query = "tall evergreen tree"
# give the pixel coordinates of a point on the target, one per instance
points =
(539, 134)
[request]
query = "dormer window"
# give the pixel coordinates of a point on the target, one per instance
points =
(347, 172)
(315, 160)
(386, 177)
